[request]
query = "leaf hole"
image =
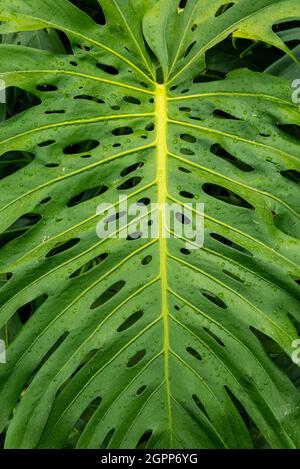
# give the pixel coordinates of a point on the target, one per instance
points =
(55, 112)
(150, 127)
(213, 298)
(184, 170)
(224, 115)
(45, 201)
(90, 98)
(141, 390)
(214, 336)
(200, 405)
(108, 294)
(231, 244)
(81, 147)
(13, 161)
(19, 227)
(144, 440)
(144, 201)
(292, 130)
(46, 88)
(105, 443)
(194, 353)
(219, 151)
(18, 100)
(89, 265)
(132, 100)
(134, 236)
(136, 358)
(86, 195)
(131, 169)
(187, 195)
(122, 131)
(109, 69)
(129, 322)
(187, 151)
(47, 143)
(62, 247)
(233, 276)
(183, 219)
(27, 310)
(130, 183)
(189, 49)
(291, 174)
(185, 252)
(146, 260)
(188, 138)
(223, 8)
(226, 195)
(51, 165)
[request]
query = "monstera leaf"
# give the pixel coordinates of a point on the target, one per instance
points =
(124, 342)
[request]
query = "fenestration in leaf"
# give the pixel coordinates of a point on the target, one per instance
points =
(142, 342)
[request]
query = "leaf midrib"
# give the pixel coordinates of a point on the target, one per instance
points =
(161, 112)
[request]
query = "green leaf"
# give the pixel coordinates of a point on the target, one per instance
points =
(138, 341)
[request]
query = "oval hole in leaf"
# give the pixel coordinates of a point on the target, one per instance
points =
(46, 143)
(19, 227)
(292, 130)
(134, 236)
(90, 98)
(130, 321)
(231, 244)
(146, 260)
(219, 151)
(107, 439)
(292, 175)
(188, 138)
(136, 358)
(13, 161)
(194, 353)
(200, 405)
(224, 115)
(131, 169)
(108, 294)
(144, 440)
(184, 170)
(122, 131)
(130, 183)
(109, 69)
(47, 88)
(18, 100)
(226, 195)
(27, 310)
(62, 247)
(223, 8)
(141, 390)
(186, 194)
(88, 194)
(234, 276)
(213, 298)
(89, 265)
(183, 219)
(214, 336)
(81, 147)
(132, 100)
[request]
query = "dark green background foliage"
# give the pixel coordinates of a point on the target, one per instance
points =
(124, 343)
